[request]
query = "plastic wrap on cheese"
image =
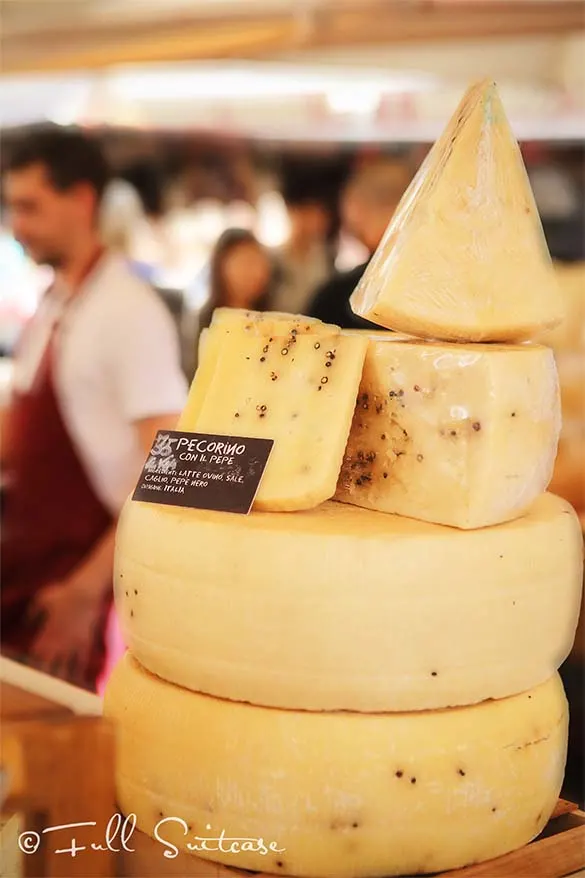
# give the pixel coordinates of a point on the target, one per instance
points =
(464, 257)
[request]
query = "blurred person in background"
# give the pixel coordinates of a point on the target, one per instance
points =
(306, 259)
(96, 375)
(558, 192)
(241, 275)
(367, 204)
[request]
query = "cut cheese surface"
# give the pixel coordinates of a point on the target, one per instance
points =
(464, 257)
(239, 323)
(277, 322)
(344, 608)
(298, 389)
(463, 435)
(338, 795)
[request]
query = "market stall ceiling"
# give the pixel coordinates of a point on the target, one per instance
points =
(43, 35)
(278, 101)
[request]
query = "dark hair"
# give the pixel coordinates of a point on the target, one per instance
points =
(68, 155)
(228, 241)
(148, 180)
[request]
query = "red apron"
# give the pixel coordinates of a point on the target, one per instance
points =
(51, 516)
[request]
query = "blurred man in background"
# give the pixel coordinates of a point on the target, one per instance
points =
(96, 375)
(367, 205)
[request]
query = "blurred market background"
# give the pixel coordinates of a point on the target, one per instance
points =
(240, 113)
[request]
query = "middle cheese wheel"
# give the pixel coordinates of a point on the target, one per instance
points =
(345, 608)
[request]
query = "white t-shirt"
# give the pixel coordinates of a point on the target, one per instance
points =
(117, 361)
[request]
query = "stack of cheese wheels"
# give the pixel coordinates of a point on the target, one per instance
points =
(359, 678)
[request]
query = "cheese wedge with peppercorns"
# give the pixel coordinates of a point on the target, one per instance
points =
(463, 435)
(464, 256)
(277, 322)
(250, 324)
(296, 388)
(335, 795)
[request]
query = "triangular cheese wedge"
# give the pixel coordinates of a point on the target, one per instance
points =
(464, 257)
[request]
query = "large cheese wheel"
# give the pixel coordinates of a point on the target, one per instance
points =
(345, 608)
(338, 794)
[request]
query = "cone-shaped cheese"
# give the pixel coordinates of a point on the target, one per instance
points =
(464, 257)
(344, 608)
(336, 795)
(457, 434)
(277, 378)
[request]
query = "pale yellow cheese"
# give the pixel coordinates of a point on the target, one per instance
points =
(569, 474)
(570, 334)
(571, 369)
(464, 257)
(243, 324)
(464, 435)
(340, 795)
(297, 389)
(278, 322)
(341, 607)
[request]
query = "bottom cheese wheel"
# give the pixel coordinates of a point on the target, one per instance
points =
(335, 794)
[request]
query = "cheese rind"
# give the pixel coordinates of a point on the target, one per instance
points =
(340, 795)
(464, 257)
(463, 435)
(345, 608)
(297, 389)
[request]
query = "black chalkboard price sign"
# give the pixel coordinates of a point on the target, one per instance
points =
(203, 471)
